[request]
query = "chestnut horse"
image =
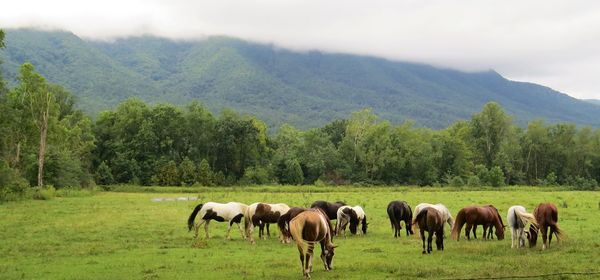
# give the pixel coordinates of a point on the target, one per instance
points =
(399, 211)
(478, 215)
(307, 228)
(431, 220)
(546, 216)
(263, 214)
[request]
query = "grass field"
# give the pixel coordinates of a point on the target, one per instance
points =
(115, 235)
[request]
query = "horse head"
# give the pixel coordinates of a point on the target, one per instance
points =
(327, 256)
(353, 221)
(532, 235)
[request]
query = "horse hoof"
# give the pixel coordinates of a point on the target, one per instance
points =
(424, 252)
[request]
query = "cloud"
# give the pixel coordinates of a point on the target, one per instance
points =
(549, 42)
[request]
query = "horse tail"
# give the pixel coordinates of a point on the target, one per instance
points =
(559, 233)
(364, 225)
(282, 222)
(193, 216)
(422, 212)
(524, 218)
(247, 219)
(458, 224)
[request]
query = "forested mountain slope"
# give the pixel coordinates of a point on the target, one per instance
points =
(306, 89)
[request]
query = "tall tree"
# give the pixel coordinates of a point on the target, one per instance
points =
(40, 103)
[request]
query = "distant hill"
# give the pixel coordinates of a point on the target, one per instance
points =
(306, 89)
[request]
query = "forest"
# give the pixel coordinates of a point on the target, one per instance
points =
(45, 140)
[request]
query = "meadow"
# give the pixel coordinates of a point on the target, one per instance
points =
(126, 235)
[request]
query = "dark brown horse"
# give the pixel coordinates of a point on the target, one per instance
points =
(329, 208)
(399, 211)
(307, 228)
(432, 221)
(284, 221)
(478, 215)
(546, 216)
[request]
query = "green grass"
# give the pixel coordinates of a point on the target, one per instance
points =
(113, 235)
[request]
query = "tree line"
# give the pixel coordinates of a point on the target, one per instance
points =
(45, 140)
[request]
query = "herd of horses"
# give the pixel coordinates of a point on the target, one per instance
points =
(308, 226)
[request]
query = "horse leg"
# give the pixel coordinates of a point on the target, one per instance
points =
(513, 237)
(268, 231)
(206, 229)
(197, 227)
(309, 256)
(550, 233)
(228, 235)
(468, 231)
(474, 231)
(239, 225)
(422, 232)
(323, 256)
(544, 231)
(301, 250)
(429, 242)
(485, 227)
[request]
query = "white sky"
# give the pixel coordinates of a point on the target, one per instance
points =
(554, 43)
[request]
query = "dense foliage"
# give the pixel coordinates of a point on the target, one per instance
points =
(305, 89)
(138, 143)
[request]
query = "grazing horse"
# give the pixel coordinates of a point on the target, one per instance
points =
(546, 216)
(441, 208)
(362, 220)
(400, 211)
(431, 220)
(307, 228)
(263, 214)
(284, 221)
(478, 215)
(517, 218)
(329, 208)
(232, 212)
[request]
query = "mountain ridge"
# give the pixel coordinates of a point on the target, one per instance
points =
(306, 89)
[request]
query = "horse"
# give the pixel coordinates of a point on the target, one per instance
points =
(329, 208)
(232, 212)
(441, 208)
(431, 220)
(546, 215)
(352, 216)
(362, 220)
(284, 221)
(478, 215)
(307, 228)
(263, 214)
(517, 218)
(400, 211)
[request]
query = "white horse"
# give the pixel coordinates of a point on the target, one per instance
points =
(353, 216)
(517, 218)
(441, 208)
(263, 214)
(231, 212)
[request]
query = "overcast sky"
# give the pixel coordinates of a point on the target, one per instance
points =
(554, 43)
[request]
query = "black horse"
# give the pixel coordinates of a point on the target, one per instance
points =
(329, 208)
(400, 211)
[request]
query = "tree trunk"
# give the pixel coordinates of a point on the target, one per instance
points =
(42, 152)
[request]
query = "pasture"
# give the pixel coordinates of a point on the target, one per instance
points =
(114, 235)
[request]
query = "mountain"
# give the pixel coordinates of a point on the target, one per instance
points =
(306, 89)
(593, 101)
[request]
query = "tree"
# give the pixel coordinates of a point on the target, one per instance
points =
(104, 174)
(40, 103)
(489, 129)
(188, 172)
(205, 175)
(3, 89)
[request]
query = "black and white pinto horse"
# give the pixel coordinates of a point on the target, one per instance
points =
(233, 212)
(399, 211)
(518, 218)
(352, 216)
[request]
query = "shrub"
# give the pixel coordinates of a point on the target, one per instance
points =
(551, 180)
(12, 185)
(256, 175)
(473, 181)
(44, 193)
(456, 181)
(104, 174)
(496, 177)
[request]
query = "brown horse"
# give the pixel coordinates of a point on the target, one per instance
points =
(307, 228)
(546, 216)
(478, 215)
(431, 220)
(284, 221)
